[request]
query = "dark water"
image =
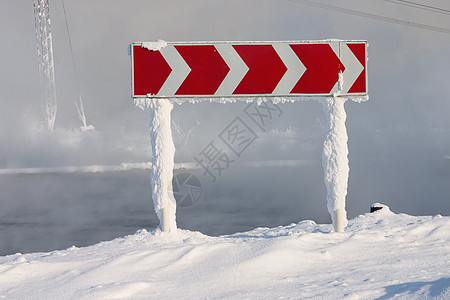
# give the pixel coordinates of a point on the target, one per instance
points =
(55, 211)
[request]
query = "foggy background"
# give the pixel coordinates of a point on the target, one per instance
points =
(399, 140)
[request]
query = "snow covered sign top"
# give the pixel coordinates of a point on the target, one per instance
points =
(246, 69)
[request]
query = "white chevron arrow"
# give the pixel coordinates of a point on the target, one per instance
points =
(237, 66)
(336, 49)
(352, 67)
(295, 69)
(180, 70)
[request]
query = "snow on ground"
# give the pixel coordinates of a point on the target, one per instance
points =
(379, 256)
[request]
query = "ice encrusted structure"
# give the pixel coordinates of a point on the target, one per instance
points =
(163, 152)
(334, 156)
(335, 160)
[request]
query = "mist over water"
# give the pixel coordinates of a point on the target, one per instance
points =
(48, 211)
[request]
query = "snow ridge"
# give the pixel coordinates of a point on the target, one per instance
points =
(382, 255)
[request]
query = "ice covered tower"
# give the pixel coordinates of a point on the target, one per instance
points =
(45, 60)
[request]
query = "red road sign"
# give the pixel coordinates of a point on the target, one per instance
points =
(233, 69)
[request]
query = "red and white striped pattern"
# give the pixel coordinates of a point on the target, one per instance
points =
(233, 69)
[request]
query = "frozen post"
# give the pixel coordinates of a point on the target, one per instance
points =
(163, 152)
(335, 160)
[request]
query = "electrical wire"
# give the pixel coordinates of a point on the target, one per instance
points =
(79, 105)
(70, 45)
(372, 16)
(420, 6)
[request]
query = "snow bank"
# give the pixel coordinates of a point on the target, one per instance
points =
(381, 255)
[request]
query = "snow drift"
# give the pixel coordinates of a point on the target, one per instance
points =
(381, 255)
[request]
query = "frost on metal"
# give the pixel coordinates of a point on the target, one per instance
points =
(45, 60)
(154, 46)
(335, 159)
(144, 103)
(163, 152)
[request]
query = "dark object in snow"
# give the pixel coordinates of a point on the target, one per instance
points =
(375, 208)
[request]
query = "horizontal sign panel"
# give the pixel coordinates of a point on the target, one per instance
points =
(234, 69)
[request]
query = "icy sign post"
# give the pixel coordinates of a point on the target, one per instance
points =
(330, 71)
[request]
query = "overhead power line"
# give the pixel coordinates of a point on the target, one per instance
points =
(372, 16)
(421, 6)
